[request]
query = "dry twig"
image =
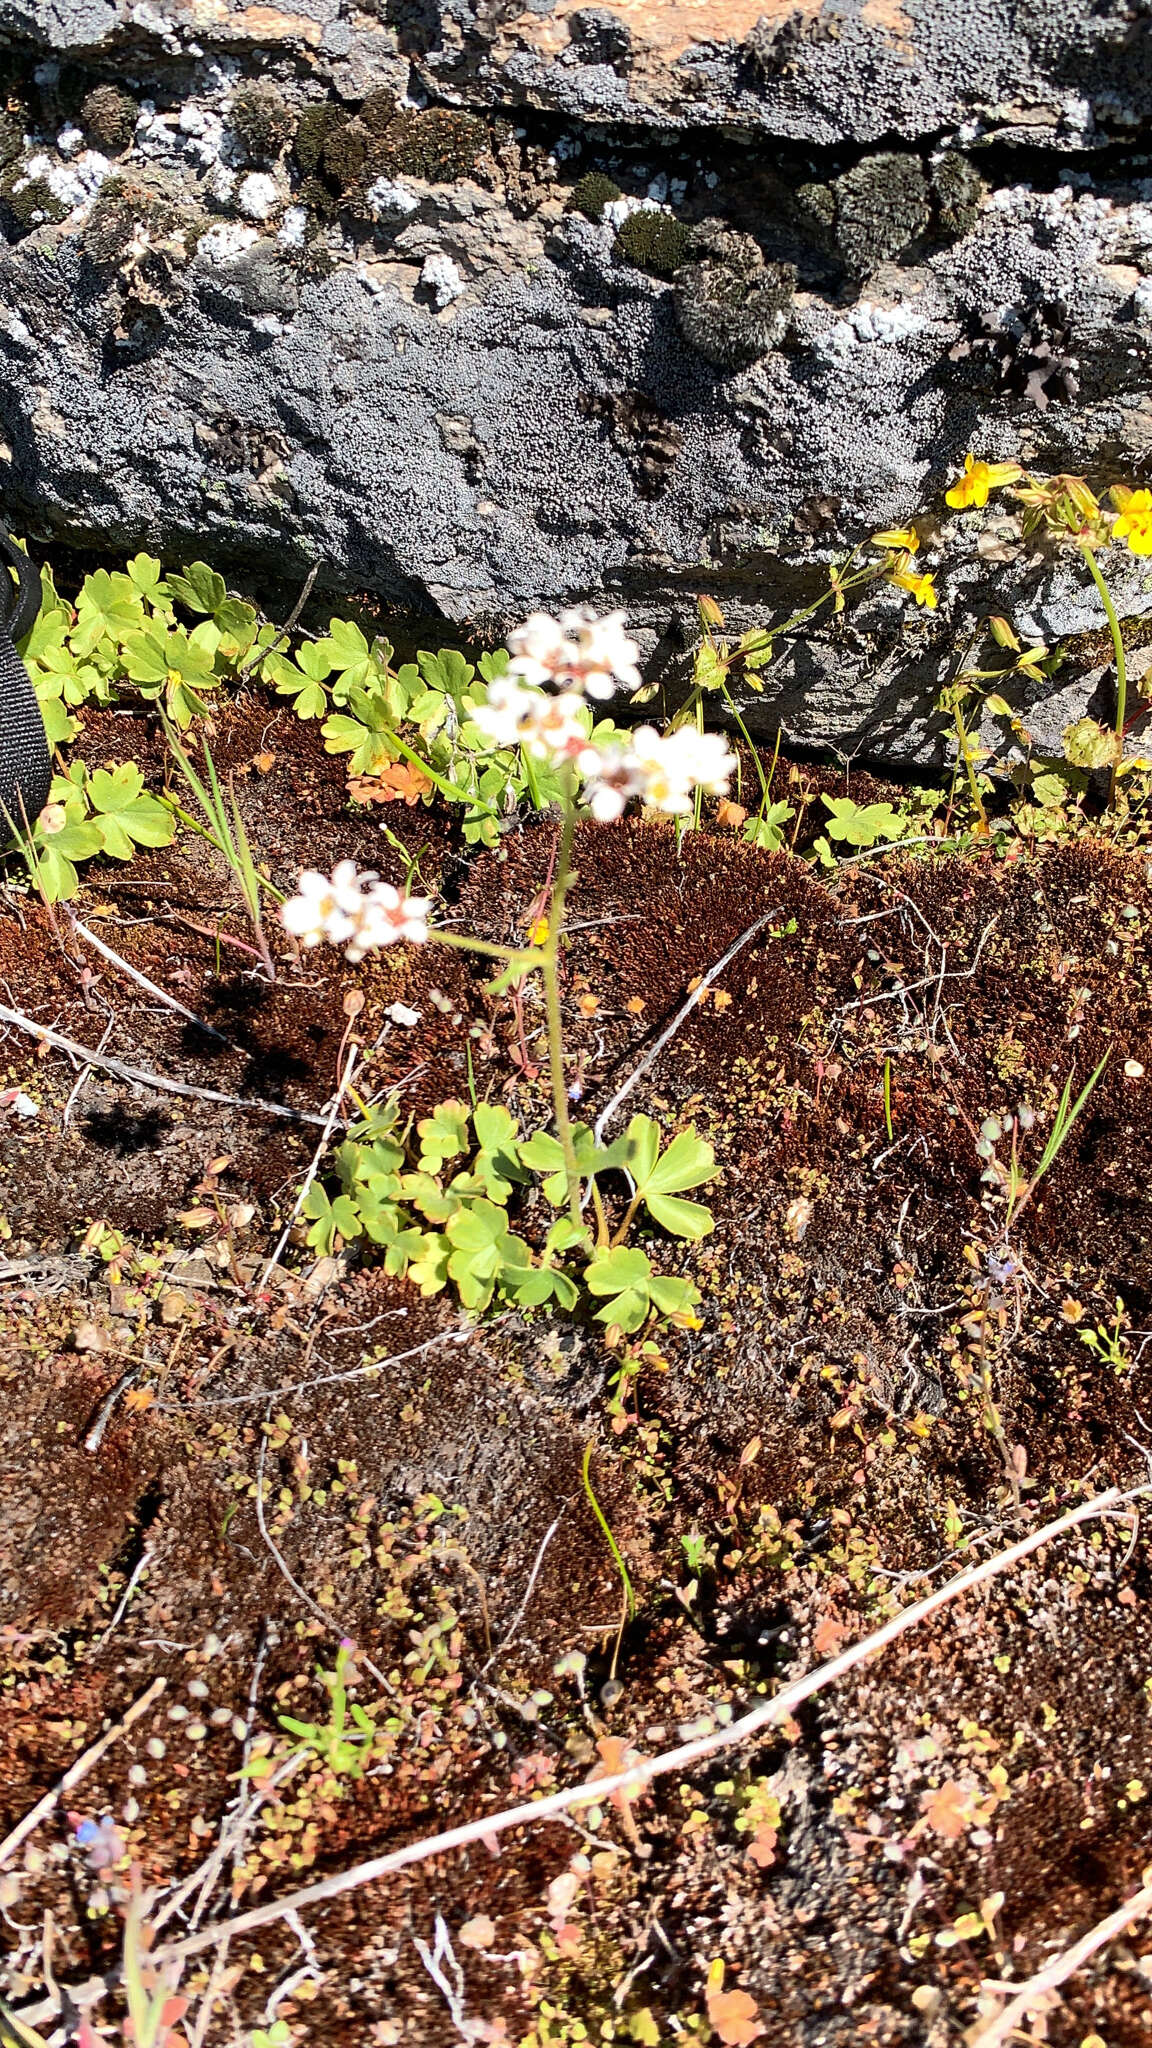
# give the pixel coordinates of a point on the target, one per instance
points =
(632, 1782)
(309, 1177)
(140, 1077)
(1037, 1991)
(681, 1017)
(78, 1771)
(150, 987)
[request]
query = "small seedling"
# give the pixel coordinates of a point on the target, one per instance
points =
(341, 1748)
(224, 829)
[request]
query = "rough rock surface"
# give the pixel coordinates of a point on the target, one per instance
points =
(490, 308)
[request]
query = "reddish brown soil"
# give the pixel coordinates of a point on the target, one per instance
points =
(778, 1480)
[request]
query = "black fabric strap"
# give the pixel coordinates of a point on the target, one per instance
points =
(25, 761)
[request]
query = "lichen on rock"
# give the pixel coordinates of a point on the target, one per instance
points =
(732, 306)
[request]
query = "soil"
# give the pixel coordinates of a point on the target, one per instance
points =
(880, 1391)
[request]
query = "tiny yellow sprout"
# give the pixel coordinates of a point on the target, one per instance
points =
(978, 479)
(1134, 524)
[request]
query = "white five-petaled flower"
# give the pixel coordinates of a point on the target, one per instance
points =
(548, 727)
(354, 909)
(578, 651)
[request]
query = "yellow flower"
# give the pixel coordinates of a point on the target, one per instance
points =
(978, 479)
(922, 588)
(905, 538)
(1135, 521)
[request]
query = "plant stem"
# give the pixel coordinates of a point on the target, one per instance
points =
(1118, 650)
(970, 768)
(521, 954)
(550, 969)
(629, 1218)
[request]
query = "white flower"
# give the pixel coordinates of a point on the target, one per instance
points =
(354, 909)
(613, 779)
(665, 769)
(577, 651)
(550, 728)
(388, 917)
(539, 649)
(703, 760)
(325, 909)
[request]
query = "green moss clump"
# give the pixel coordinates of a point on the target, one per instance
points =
(958, 189)
(313, 194)
(732, 306)
(349, 155)
(34, 203)
(592, 193)
(314, 260)
(437, 145)
(313, 128)
(108, 118)
(882, 206)
(817, 204)
(123, 207)
(655, 242)
(261, 120)
(378, 111)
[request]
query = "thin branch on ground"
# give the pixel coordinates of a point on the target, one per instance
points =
(935, 979)
(632, 1782)
(283, 631)
(374, 1368)
(1039, 1988)
(151, 987)
(95, 1436)
(138, 1571)
(331, 1622)
(82, 1076)
(681, 1017)
(529, 1589)
(309, 1177)
(140, 1077)
(78, 1771)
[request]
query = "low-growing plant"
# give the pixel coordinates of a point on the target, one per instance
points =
(1109, 1342)
(103, 810)
(341, 1747)
(1065, 512)
(439, 1202)
(859, 826)
(1015, 1184)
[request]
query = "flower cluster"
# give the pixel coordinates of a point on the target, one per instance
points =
(902, 543)
(354, 909)
(978, 479)
(549, 728)
(586, 654)
(663, 769)
(578, 652)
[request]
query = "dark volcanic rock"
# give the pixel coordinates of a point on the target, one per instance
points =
(881, 237)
